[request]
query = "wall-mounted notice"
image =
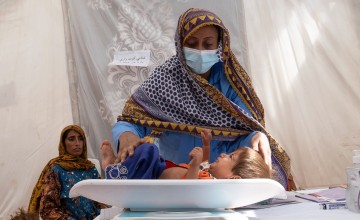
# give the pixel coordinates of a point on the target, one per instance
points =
(131, 58)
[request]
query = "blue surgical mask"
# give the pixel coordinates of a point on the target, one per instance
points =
(200, 61)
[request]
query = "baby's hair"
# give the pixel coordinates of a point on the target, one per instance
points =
(251, 165)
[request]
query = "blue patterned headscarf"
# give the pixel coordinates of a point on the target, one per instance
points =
(175, 99)
(174, 94)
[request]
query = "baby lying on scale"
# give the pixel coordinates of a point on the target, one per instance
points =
(146, 163)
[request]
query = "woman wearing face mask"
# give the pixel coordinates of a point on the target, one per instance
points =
(202, 86)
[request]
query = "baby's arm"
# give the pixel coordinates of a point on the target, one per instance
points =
(206, 139)
(196, 158)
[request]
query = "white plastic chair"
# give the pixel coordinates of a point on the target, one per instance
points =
(96, 162)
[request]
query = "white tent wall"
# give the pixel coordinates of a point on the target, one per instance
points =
(34, 95)
(305, 60)
(303, 57)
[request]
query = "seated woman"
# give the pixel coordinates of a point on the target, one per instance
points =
(50, 195)
(146, 163)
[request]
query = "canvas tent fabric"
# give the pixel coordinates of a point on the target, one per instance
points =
(302, 55)
(34, 95)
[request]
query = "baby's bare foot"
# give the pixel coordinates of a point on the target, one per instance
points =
(107, 154)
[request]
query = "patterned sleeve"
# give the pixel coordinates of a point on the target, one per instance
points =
(50, 205)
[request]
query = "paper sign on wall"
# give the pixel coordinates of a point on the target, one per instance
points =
(131, 58)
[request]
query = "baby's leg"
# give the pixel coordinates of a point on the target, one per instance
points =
(107, 154)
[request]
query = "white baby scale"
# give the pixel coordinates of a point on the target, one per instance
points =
(165, 195)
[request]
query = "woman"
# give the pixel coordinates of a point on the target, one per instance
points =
(50, 196)
(202, 86)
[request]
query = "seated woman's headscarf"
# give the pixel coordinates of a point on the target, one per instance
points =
(175, 99)
(65, 161)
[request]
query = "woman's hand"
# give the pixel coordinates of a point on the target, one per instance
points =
(128, 142)
(260, 143)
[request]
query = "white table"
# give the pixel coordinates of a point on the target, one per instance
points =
(300, 211)
(304, 210)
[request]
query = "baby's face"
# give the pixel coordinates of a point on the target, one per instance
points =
(222, 167)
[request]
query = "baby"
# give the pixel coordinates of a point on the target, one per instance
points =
(146, 163)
